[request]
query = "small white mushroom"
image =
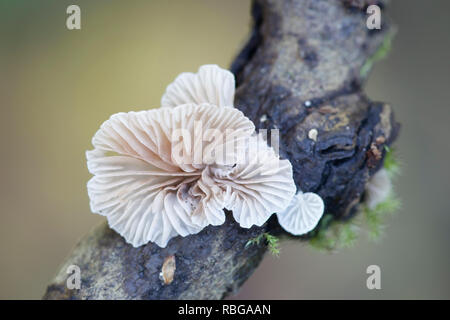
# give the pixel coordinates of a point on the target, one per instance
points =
(378, 188)
(302, 214)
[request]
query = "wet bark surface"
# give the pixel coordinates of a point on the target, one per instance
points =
(300, 71)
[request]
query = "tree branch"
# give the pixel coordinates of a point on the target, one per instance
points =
(300, 70)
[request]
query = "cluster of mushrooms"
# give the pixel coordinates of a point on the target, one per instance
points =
(171, 171)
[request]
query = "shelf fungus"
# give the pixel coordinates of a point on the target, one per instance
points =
(173, 170)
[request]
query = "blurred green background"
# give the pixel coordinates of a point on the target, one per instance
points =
(57, 86)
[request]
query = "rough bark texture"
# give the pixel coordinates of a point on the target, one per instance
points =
(299, 71)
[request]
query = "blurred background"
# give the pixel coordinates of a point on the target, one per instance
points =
(57, 86)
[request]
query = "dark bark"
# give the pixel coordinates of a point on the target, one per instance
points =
(300, 71)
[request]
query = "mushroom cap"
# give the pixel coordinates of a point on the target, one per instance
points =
(302, 214)
(211, 84)
(139, 184)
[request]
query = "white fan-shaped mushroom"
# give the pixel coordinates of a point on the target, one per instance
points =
(302, 214)
(144, 190)
(211, 84)
(378, 188)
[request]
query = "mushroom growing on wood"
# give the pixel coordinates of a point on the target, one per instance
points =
(172, 171)
(302, 214)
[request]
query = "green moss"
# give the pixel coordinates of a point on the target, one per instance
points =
(334, 235)
(375, 217)
(391, 163)
(272, 242)
(348, 235)
(381, 52)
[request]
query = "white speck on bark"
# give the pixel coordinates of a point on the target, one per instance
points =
(312, 134)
